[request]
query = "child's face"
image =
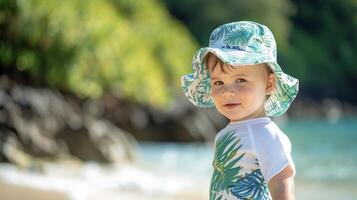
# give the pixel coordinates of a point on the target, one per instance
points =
(239, 93)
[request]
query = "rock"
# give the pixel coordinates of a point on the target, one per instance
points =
(39, 123)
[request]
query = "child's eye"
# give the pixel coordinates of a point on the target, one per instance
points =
(241, 80)
(217, 83)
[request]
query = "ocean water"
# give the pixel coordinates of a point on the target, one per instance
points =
(325, 152)
(325, 155)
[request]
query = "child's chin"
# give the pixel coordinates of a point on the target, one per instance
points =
(233, 117)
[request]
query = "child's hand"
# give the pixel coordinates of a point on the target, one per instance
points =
(281, 186)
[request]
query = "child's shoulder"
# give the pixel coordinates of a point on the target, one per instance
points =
(257, 127)
(262, 124)
(266, 129)
(268, 135)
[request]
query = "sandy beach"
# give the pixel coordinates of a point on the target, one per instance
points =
(304, 191)
(93, 183)
(16, 192)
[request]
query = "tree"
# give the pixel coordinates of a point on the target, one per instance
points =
(323, 48)
(202, 17)
(134, 49)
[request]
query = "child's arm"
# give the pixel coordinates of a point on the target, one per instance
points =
(281, 186)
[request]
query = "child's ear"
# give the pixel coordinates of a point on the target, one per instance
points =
(270, 84)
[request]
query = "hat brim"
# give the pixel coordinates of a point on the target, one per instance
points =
(197, 86)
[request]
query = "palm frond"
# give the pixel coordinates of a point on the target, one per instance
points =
(225, 170)
(238, 37)
(221, 32)
(251, 185)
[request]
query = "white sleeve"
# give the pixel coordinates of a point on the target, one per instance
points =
(272, 148)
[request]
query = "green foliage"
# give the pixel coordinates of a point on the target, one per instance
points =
(203, 16)
(131, 48)
(323, 48)
(135, 49)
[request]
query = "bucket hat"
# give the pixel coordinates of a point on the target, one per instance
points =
(237, 44)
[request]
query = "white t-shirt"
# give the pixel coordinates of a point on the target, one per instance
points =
(247, 155)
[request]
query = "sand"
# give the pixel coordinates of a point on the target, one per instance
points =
(18, 192)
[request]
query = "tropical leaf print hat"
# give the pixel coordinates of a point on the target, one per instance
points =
(237, 44)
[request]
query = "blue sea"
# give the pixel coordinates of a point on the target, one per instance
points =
(325, 155)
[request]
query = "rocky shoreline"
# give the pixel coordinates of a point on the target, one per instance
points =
(39, 124)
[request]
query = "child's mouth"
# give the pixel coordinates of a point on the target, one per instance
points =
(231, 105)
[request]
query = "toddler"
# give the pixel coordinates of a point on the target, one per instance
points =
(238, 74)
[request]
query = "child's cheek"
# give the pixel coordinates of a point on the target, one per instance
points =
(242, 89)
(214, 92)
(245, 92)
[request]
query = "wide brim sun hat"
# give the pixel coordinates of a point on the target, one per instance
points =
(237, 44)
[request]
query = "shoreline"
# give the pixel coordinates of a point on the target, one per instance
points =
(70, 184)
(93, 182)
(303, 190)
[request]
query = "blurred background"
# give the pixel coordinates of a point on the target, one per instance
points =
(91, 105)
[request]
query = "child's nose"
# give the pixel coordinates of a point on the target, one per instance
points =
(229, 91)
